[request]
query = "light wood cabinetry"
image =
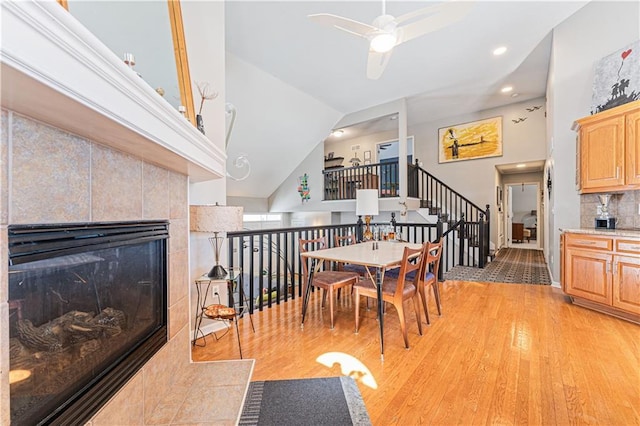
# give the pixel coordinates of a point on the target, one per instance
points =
(590, 277)
(626, 294)
(608, 149)
(633, 148)
(602, 273)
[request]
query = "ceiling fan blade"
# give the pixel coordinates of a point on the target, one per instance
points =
(342, 23)
(376, 63)
(439, 17)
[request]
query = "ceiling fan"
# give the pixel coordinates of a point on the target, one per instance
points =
(386, 32)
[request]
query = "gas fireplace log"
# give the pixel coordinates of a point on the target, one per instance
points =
(38, 338)
(70, 328)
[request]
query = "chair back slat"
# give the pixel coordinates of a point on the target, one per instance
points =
(433, 253)
(407, 266)
(345, 240)
(306, 245)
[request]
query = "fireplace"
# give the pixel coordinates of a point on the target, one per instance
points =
(87, 309)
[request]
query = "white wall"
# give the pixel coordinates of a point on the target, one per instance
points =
(476, 179)
(286, 198)
(272, 117)
(251, 205)
(342, 147)
(593, 32)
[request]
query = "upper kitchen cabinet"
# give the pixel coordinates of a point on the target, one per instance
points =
(609, 150)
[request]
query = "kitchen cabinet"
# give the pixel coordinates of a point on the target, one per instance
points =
(608, 150)
(602, 273)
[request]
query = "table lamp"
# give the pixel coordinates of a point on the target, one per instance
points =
(367, 206)
(219, 220)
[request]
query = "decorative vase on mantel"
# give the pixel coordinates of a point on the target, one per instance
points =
(200, 123)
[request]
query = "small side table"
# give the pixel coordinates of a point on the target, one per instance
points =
(233, 281)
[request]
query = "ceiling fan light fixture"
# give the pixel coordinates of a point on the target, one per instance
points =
(337, 133)
(383, 42)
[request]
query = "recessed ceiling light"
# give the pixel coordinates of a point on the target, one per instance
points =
(515, 95)
(337, 133)
(520, 166)
(500, 50)
(393, 117)
(506, 89)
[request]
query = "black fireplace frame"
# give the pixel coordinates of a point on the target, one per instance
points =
(29, 243)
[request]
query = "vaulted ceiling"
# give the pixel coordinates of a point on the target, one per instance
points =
(445, 73)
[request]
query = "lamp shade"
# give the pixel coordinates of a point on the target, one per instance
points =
(215, 218)
(366, 202)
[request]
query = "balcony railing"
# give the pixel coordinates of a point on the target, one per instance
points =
(342, 183)
(271, 263)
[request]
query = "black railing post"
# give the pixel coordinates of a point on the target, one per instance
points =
(462, 234)
(482, 256)
(487, 232)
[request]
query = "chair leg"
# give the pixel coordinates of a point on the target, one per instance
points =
(436, 294)
(423, 297)
(357, 311)
(331, 305)
(403, 324)
(416, 307)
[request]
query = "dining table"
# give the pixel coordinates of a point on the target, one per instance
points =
(376, 256)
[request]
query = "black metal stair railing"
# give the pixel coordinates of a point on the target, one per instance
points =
(450, 206)
(270, 259)
(441, 200)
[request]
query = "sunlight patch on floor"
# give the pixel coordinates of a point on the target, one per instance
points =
(349, 366)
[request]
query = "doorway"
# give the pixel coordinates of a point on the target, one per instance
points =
(522, 206)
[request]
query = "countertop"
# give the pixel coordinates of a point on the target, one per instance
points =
(633, 233)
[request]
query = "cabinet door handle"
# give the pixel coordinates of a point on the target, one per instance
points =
(615, 267)
(608, 269)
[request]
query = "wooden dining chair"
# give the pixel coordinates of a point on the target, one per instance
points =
(348, 240)
(396, 290)
(432, 252)
(328, 281)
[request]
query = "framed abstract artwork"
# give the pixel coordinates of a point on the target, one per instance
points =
(468, 141)
(616, 79)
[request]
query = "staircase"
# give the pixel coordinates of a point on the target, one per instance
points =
(440, 201)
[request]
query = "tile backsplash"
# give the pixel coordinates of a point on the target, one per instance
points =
(623, 206)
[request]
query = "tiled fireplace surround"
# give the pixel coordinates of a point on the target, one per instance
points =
(50, 176)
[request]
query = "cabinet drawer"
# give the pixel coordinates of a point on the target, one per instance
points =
(628, 246)
(587, 241)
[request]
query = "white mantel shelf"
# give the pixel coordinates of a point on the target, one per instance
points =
(56, 71)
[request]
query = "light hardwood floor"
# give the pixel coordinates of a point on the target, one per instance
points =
(500, 354)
